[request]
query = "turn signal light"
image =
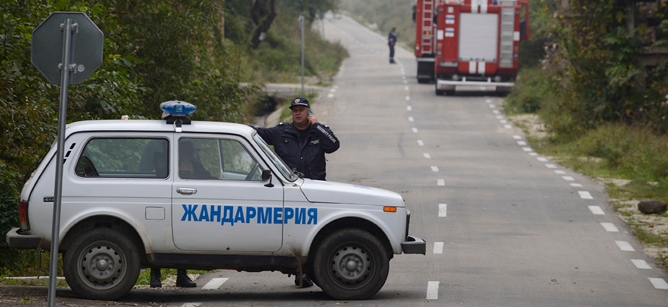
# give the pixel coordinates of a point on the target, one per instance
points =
(389, 209)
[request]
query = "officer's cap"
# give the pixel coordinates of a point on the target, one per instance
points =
(300, 101)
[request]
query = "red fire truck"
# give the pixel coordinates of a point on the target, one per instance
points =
(476, 42)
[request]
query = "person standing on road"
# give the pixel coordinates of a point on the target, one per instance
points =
(391, 41)
(303, 143)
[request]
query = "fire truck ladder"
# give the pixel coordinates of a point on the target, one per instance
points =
(427, 26)
(507, 34)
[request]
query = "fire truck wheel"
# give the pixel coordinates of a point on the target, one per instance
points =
(440, 92)
(351, 264)
(101, 264)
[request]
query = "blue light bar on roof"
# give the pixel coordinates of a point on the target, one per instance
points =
(177, 108)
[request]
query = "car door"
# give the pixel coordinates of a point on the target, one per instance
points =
(219, 200)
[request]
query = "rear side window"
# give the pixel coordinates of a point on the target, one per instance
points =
(124, 158)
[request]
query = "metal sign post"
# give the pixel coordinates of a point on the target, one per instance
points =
(80, 55)
(301, 29)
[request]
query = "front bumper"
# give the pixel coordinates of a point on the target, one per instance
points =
(448, 85)
(414, 245)
(16, 239)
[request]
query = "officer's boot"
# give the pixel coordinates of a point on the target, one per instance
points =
(155, 278)
(182, 279)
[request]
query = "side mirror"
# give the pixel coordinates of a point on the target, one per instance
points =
(266, 174)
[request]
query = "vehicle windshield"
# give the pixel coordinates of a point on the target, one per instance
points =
(282, 167)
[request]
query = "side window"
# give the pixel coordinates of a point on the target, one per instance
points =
(225, 159)
(124, 158)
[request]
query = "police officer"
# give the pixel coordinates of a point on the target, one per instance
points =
(303, 143)
(391, 41)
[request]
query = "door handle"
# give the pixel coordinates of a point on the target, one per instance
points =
(186, 191)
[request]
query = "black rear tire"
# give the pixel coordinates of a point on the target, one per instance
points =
(351, 264)
(101, 264)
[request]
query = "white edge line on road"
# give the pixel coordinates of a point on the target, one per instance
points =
(641, 264)
(625, 246)
(432, 290)
(609, 227)
(442, 210)
(596, 210)
(438, 247)
(659, 283)
(215, 283)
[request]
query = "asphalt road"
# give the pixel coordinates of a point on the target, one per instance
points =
(505, 226)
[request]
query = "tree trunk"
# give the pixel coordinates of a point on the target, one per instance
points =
(263, 13)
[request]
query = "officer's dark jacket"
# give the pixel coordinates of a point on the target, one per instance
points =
(307, 156)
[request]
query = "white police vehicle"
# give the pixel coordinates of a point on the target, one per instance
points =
(204, 195)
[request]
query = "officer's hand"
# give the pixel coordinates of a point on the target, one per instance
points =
(312, 119)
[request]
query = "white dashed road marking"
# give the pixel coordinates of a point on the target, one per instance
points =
(517, 137)
(409, 108)
(541, 159)
(432, 290)
(596, 210)
(527, 149)
(215, 283)
(427, 156)
(568, 178)
(585, 195)
(609, 227)
(442, 210)
(191, 304)
(438, 247)
(408, 98)
(414, 130)
(625, 246)
(420, 142)
(641, 264)
(550, 166)
(508, 126)
(440, 182)
(560, 172)
(434, 168)
(658, 283)
(577, 185)
(522, 143)
(410, 118)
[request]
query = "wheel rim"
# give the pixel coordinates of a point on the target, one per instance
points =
(351, 265)
(102, 265)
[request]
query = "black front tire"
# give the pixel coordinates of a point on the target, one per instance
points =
(351, 264)
(101, 264)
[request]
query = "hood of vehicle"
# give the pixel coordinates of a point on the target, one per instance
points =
(336, 192)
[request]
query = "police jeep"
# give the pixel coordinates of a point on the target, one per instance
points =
(128, 204)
